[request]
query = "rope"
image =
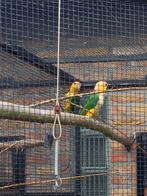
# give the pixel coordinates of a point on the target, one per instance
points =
(58, 53)
(58, 180)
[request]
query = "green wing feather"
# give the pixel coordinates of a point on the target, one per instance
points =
(90, 103)
(75, 102)
(72, 103)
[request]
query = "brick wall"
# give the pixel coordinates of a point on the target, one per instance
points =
(127, 109)
(107, 71)
(39, 160)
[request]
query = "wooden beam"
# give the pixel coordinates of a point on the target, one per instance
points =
(25, 113)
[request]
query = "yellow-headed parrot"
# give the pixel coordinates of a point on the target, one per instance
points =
(75, 99)
(95, 102)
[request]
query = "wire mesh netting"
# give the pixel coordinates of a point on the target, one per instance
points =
(73, 80)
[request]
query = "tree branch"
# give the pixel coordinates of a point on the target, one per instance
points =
(25, 113)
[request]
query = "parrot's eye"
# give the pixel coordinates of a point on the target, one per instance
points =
(77, 83)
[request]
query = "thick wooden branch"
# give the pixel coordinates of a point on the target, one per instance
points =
(25, 113)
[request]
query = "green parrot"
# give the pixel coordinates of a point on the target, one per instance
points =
(95, 102)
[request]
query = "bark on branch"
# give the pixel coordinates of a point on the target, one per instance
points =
(25, 113)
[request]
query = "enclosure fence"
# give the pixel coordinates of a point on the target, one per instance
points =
(73, 97)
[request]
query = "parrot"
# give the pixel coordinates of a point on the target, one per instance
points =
(73, 91)
(94, 102)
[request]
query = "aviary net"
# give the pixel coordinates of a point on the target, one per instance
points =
(73, 97)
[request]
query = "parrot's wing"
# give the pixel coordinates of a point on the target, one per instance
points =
(75, 104)
(68, 105)
(87, 106)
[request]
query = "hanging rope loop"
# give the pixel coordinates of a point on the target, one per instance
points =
(58, 180)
